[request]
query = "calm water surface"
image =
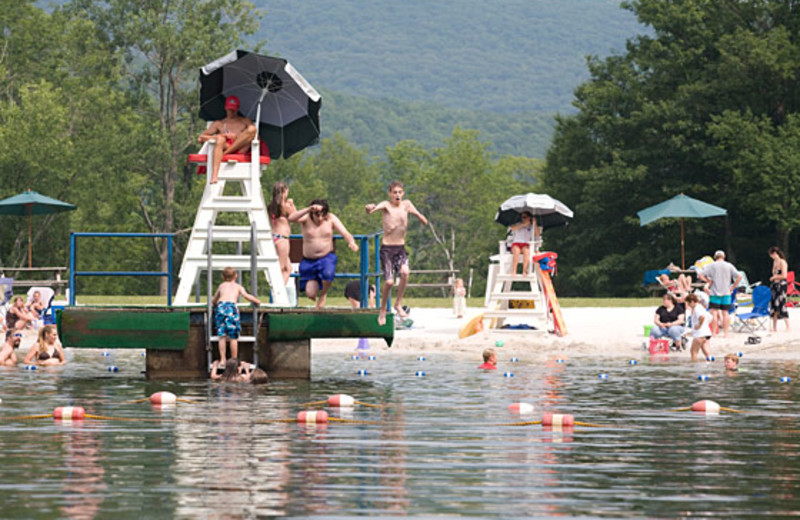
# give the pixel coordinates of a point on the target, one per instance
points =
(443, 444)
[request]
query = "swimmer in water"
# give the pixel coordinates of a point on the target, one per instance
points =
(489, 360)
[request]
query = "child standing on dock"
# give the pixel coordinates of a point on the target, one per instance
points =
(393, 254)
(226, 314)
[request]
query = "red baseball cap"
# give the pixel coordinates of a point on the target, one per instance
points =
(232, 102)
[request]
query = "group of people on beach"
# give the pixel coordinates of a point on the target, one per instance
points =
(684, 309)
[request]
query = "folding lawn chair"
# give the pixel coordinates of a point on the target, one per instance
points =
(758, 318)
(47, 295)
(792, 290)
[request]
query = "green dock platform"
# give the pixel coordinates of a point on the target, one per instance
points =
(176, 341)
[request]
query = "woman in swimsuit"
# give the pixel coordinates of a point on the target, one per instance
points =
(280, 207)
(47, 351)
(18, 316)
(778, 286)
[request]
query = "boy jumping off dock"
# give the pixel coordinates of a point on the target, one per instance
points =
(393, 254)
(226, 314)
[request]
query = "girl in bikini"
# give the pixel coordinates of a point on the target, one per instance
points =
(48, 350)
(280, 207)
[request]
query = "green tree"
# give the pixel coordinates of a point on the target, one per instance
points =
(165, 43)
(659, 120)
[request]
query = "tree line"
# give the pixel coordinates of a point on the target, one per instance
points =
(99, 104)
(102, 99)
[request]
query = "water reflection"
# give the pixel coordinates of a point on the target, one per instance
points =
(83, 486)
(436, 449)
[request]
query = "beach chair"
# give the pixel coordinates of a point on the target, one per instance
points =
(6, 293)
(792, 291)
(757, 318)
(47, 294)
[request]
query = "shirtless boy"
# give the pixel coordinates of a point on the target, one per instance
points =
(226, 313)
(230, 135)
(318, 267)
(394, 257)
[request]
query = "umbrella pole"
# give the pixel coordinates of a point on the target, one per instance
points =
(683, 255)
(30, 212)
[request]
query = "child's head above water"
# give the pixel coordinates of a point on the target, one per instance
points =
(489, 356)
(731, 362)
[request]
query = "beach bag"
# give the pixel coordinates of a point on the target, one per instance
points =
(659, 346)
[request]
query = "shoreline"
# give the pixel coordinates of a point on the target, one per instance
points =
(591, 331)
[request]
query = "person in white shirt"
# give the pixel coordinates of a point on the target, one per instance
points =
(700, 325)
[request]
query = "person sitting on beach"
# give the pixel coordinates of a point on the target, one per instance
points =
(279, 209)
(700, 326)
(679, 287)
(47, 350)
(37, 307)
(234, 371)
(731, 363)
(489, 360)
(318, 267)
(669, 320)
(8, 354)
(18, 317)
(226, 313)
(393, 253)
(232, 134)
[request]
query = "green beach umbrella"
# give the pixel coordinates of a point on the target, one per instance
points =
(32, 203)
(680, 207)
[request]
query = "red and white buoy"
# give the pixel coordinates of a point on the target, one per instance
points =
(69, 413)
(707, 407)
(315, 417)
(341, 401)
(557, 420)
(161, 398)
(520, 408)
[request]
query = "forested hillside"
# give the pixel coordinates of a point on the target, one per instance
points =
(506, 67)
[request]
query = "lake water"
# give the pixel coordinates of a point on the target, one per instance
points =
(443, 444)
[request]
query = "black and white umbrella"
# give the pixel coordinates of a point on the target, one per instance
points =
(271, 92)
(550, 212)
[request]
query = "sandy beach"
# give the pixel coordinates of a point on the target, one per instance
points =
(592, 331)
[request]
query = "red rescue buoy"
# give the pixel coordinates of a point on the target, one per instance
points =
(69, 413)
(315, 417)
(706, 406)
(558, 420)
(520, 408)
(163, 398)
(341, 401)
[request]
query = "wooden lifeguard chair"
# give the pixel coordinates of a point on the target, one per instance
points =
(246, 170)
(503, 301)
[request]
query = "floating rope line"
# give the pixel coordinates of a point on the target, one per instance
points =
(145, 399)
(341, 401)
(27, 417)
(352, 421)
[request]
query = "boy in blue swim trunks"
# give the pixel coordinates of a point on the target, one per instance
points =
(226, 314)
(318, 267)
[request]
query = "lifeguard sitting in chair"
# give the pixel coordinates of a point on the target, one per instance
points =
(523, 234)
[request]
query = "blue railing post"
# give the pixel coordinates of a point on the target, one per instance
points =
(72, 268)
(363, 278)
(169, 271)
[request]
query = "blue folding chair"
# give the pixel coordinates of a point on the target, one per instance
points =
(758, 318)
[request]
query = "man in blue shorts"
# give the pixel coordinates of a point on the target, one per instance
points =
(318, 267)
(724, 278)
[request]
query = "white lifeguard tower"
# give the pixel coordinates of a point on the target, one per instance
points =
(503, 301)
(246, 170)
